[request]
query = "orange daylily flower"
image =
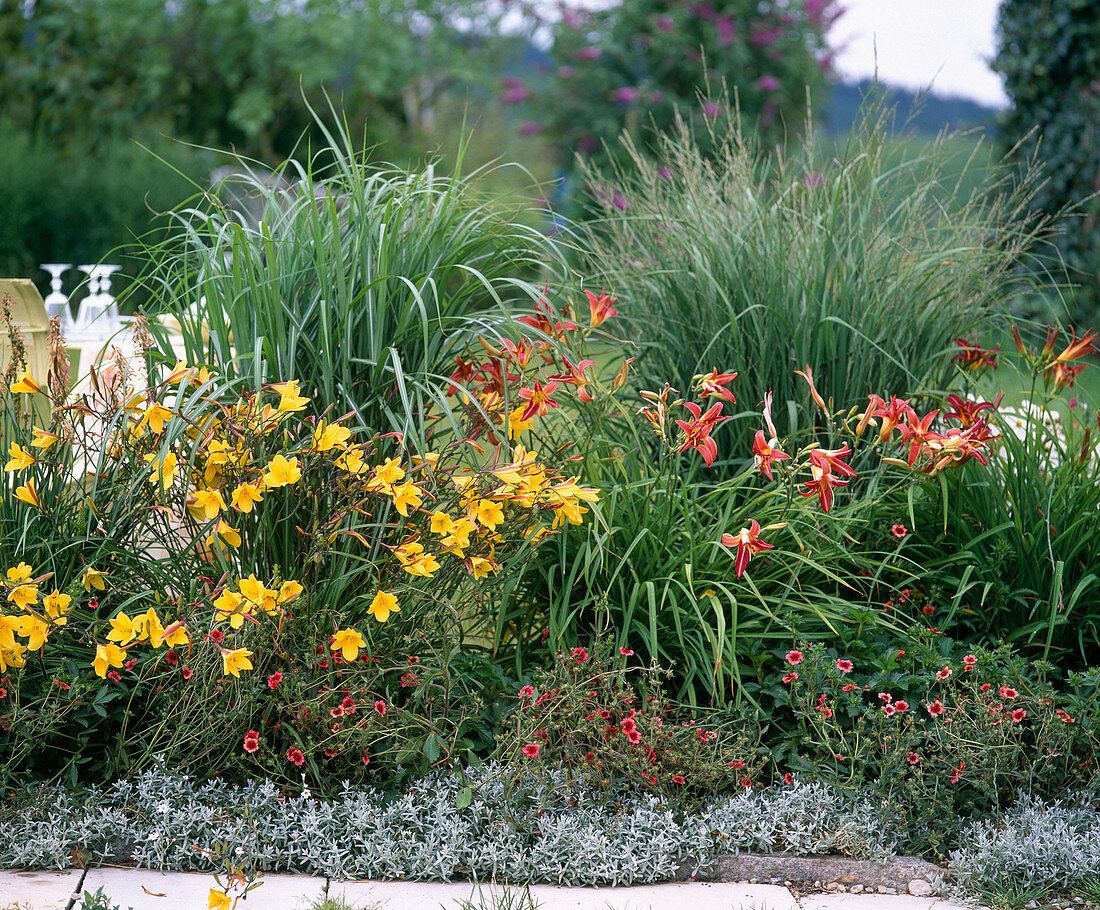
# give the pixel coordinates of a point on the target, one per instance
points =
(697, 432)
(601, 308)
(765, 452)
(538, 399)
(714, 385)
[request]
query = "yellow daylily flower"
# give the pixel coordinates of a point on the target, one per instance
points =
(282, 472)
(43, 439)
(25, 383)
(56, 606)
(207, 503)
(181, 372)
(93, 578)
(289, 398)
(106, 656)
(28, 494)
(34, 630)
(441, 523)
(488, 513)
(329, 435)
(175, 635)
(20, 459)
(123, 629)
(164, 469)
(223, 532)
(231, 605)
(481, 567)
(383, 605)
(290, 591)
(218, 900)
(352, 461)
(12, 658)
(23, 595)
(235, 660)
(348, 642)
(151, 628)
(20, 573)
(155, 417)
(406, 494)
(246, 495)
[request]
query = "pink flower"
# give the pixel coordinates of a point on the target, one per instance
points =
(969, 662)
(710, 109)
(678, 778)
(900, 706)
(588, 53)
(626, 652)
(899, 531)
(251, 741)
(885, 697)
(849, 687)
(913, 758)
(767, 83)
(366, 757)
(274, 679)
(186, 672)
(889, 710)
(526, 692)
(531, 750)
(295, 756)
(790, 678)
(633, 736)
(794, 658)
(936, 708)
(380, 708)
(844, 666)
(580, 655)
(628, 94)
(944, 673)
(1008, 692)
(1018, 715)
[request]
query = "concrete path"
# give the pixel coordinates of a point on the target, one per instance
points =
(134, 889)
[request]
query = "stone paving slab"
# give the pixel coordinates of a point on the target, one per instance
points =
(876, 902)
(38, 890)
(675, 896)
(143, 889)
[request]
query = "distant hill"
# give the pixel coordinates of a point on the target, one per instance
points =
(925, 114)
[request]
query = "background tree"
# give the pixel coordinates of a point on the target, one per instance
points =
(1049, 55)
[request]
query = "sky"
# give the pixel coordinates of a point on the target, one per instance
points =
(945, 44)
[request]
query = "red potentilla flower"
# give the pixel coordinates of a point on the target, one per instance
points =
(323, 664)
(626, 652)
(526, 692)
(969, 661)
(337, 711)
(633, 737)
(849, 687)
(1066, 719)
(885, 697)
(130, 664)
(788, 778)
(745, 782)
(531, 750)
(3, 692)
(936, 708)
(580, 655)
(899, 531)
(409, 679)
(295, 756)
(215, 635)
(790, 678)
(1018, 715)
(913, 758)
(366, 757)
(589, 756)
(186, 672)
(957, 772)
(889, 710)
(1008, 692)
(900, 706)
(171, 658)
(274, 679)
(114, 676)
(794, 658)
(928, 609)
(331, 753)
(380, 708)
(984, 687)
(845, 666)
(736, 763)
(251, 741)
(678, 778)
(628, 726)
(944, 673)
(348, 704)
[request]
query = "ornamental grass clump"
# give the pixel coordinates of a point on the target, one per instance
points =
(864, 267)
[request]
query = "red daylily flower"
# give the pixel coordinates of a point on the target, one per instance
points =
(574, 375)
(975, 358)
(916, 432)
(538, 399)
(714, 385)
(697, 432)
(601, 308)
(966, 412)
(892, 414)
(764, 453)
(748, 544)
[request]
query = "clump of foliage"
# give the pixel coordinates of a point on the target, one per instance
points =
(1049, 56)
